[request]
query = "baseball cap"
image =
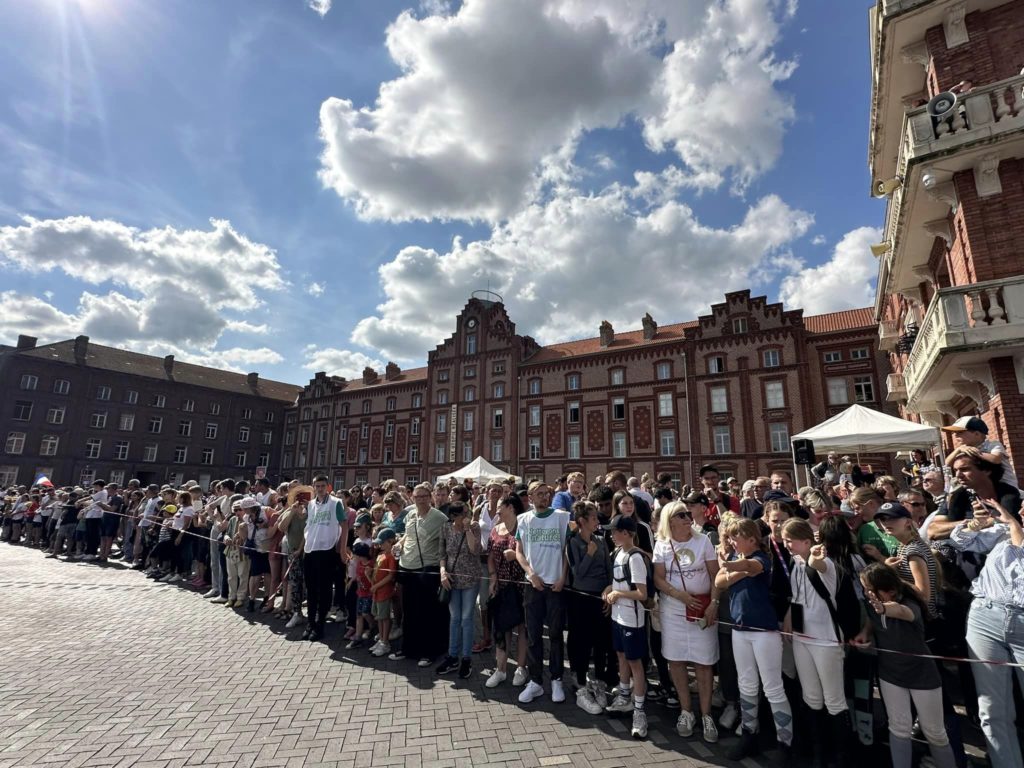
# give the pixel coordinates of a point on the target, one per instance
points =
(892, 509)
(623, 523)
(846, 509)
(364, 519)
(385, 534)
(967, 424)
(696, 497)
(248, 503)
(361, 549)
(777, 495)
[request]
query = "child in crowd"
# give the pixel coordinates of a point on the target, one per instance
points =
(383, 588)
(361, 554)
(362, 529)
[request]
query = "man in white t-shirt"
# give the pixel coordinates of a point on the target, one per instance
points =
(540, 550)
(93, 517)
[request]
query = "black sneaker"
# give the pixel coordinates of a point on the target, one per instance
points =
(306, 633)
(655, 693)
(250, 606)
(447, 666)
(465, 668)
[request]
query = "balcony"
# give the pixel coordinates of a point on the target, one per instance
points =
(966, 325)
(888, 335)
(896, 389)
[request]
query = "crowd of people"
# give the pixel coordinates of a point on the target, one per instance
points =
(788, 607)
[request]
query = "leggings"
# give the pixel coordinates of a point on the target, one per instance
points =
(759, 654)
(820, 670)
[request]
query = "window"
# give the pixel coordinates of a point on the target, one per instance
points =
(470, 343)
(247, 413)
(159, 401)
(61, 386)
(414, 427)
(29, 382)
(837, 392)
(417, 401)
(572, 381)
(716, 364)
(240, 459)
(55, 415)
(442, 423)
(127, 422)
(534, 416)
(206, 456)
(439, 453)
(664, 404)
(534, 448)
(389, 455)
(499, 389)
(389, 429)
(268, 438)
(156, 423)
(663, 371)
(149, 453)
(774, 396)
(15, 442)
(442, 397)
(469, 395)
(180, 454)
(719, 399)
(342, 437)
(668, 442)
(102, 393)
(779, 434)
(243, 434)
(116, 476)
(467, 421)
(269, 417)
(48, 445)
(414, 454)
(619, 445)
(321, 458)
(131, 397)
(344, 410)
(22, 410)
(739, 325)
(534, 386)
(574, 446)
(497, 450)
(98, 420)
(498, 418)
(574, 412)
(391, 404)
(470, 372)
(92, 448)
(364, 430)
(300, 460)
(442, 376)
(467, 451)
(723, 439)
(8, 475)
(185, 428)
(861, 353)
(863, 389)
(121, 450)
(188, 406)
(215, 409)
(499, 368)
(211, 431)
(617, 377)
(86, 477)
(771, 358)
(618, 408)
(835, 356)
(366, 406)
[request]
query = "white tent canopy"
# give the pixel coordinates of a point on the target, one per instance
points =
(864, 429)
(480, 470)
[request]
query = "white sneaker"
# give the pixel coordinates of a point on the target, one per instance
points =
(685, 723)
(599, 692)
(730, 716)
(424, 663)
(167, 579)
(366, 635)
(374, 647)
(557, 691)
(296, 619)
(622, 702)
(219, 599)
(175, 578)
(396, 633)
(585, 701)
(520, 677)
(383, 649)
(212, 593)
(532, 691)
(497, 677)
(710, 734)
(639, 724)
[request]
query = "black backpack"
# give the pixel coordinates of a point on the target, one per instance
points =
(651, 589)
(846, 611)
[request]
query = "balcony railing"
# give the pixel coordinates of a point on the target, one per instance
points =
(888, 335)
(964, 317)
(895, 387)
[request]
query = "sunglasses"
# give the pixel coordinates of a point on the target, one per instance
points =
(687, 515)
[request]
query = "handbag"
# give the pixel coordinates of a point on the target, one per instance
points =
(444, 594)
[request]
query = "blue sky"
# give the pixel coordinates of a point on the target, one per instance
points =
(290, 186)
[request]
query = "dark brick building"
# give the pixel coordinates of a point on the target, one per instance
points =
(78, 411)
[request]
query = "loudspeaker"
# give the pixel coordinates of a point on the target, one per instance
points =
(941, 105)
(803, 452)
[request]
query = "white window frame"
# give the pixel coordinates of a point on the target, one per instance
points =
(862, 384)
(719, 399)
(838, 391)
(93, 447)
(150, 452)
(778, 437)
(49, 445)
(534, 416)
(573, 449)
(61, 387)
(721, 439)
(716, 364)
(771, 358)
(15, 444)
(833, 356)
(533, 449)
(121, 450)
(29, 382)
(667, 442)
(55, 414)
(666, 404)
(619, 445)
(774, 395)
(572, 408)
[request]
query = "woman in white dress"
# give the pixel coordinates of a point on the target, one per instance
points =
(685, 564)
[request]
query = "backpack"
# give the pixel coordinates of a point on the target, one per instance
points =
(651, 589)
(845, 612)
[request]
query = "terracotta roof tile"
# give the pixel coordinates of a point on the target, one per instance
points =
(405, 377)
(841, 321)
(621, 341)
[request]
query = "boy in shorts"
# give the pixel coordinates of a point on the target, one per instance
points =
(362, 553)
(383, 589)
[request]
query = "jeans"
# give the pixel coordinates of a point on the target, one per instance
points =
(461, 608)
(545, 607)
(995, 631)
(128, 540)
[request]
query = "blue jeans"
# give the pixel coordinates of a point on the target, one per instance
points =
(996, 632)
(460, 630)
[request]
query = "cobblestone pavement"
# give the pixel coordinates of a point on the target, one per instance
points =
(103, 667)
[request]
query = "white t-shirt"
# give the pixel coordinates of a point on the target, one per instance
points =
(687, 569)
(994, 446)
(486, 524)
(18, 513)
(628, 613)
(149, 512)
(542, 541)
(817, 619)
(180, 517)
(94, 510)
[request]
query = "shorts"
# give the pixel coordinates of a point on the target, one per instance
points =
(629, 641)
(364, 606)
(382, 609)
(259, 563)
(110, 525)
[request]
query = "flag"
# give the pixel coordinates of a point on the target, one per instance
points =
(44, 481)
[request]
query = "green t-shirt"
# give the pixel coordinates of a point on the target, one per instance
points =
(870, 533)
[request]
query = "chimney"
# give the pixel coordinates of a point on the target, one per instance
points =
(81, 349)
(650, 327)
(607, 333)
(253, 380)
(392, 371)
(26, 342)
(169, 366)
(369, 375)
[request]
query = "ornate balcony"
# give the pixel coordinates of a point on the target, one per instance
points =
(967, 325)
(896, 389)
(888, 335)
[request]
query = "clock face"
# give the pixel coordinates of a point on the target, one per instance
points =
(471, 323)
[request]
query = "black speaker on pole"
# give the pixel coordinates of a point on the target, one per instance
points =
(803, 452)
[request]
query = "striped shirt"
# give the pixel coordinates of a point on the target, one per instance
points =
(919, 549)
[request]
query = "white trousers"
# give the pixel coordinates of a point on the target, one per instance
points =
(928, 704)
(238, 578)
(759, 654)
(820, 670)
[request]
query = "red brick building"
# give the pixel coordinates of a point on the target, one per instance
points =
(950, 302)
(729, 388)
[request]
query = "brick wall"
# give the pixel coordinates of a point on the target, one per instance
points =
(994, 52)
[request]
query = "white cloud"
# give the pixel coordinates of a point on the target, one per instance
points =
(240, 356)
(490, 96)
(819, 240)
(315, 289)
(436, 7)
(320, 6)
(339, 362)
(560, 268)
(845, 281)
(244, 326)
